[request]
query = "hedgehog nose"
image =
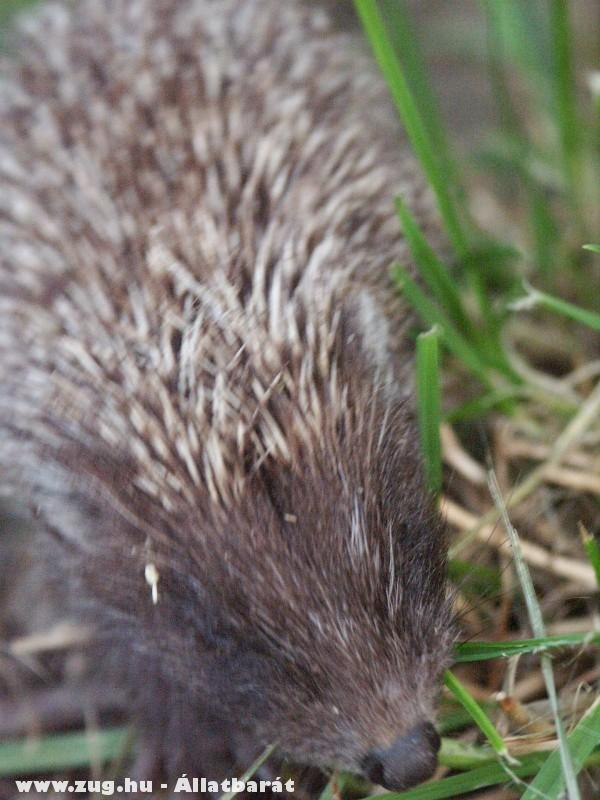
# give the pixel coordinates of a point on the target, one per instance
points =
(412, 758)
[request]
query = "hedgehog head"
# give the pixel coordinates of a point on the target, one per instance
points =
(329, 625)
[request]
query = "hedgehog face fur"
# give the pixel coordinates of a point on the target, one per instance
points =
(205, 376)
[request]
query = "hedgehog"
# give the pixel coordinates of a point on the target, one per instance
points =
(206, 402)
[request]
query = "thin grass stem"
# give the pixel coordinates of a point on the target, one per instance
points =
(537, 625)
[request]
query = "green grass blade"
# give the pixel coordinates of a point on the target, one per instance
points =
(61, 751)
(496, 60)
(523, 30)
(480, 718)
(428, 405)
(432, 315)
(549, 782)
(543, 226)
(594, 248)
(436, 276)
(406, 44)
(480, 406)
(453, 720)
(592, 550)
(432, 270)
(482, 651)
(455, 754)
(416, 130)
(480, 778)
(535, 298)
(564, 96)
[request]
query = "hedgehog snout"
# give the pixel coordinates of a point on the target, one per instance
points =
(410, 759)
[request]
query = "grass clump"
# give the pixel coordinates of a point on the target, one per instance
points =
(520, 382)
